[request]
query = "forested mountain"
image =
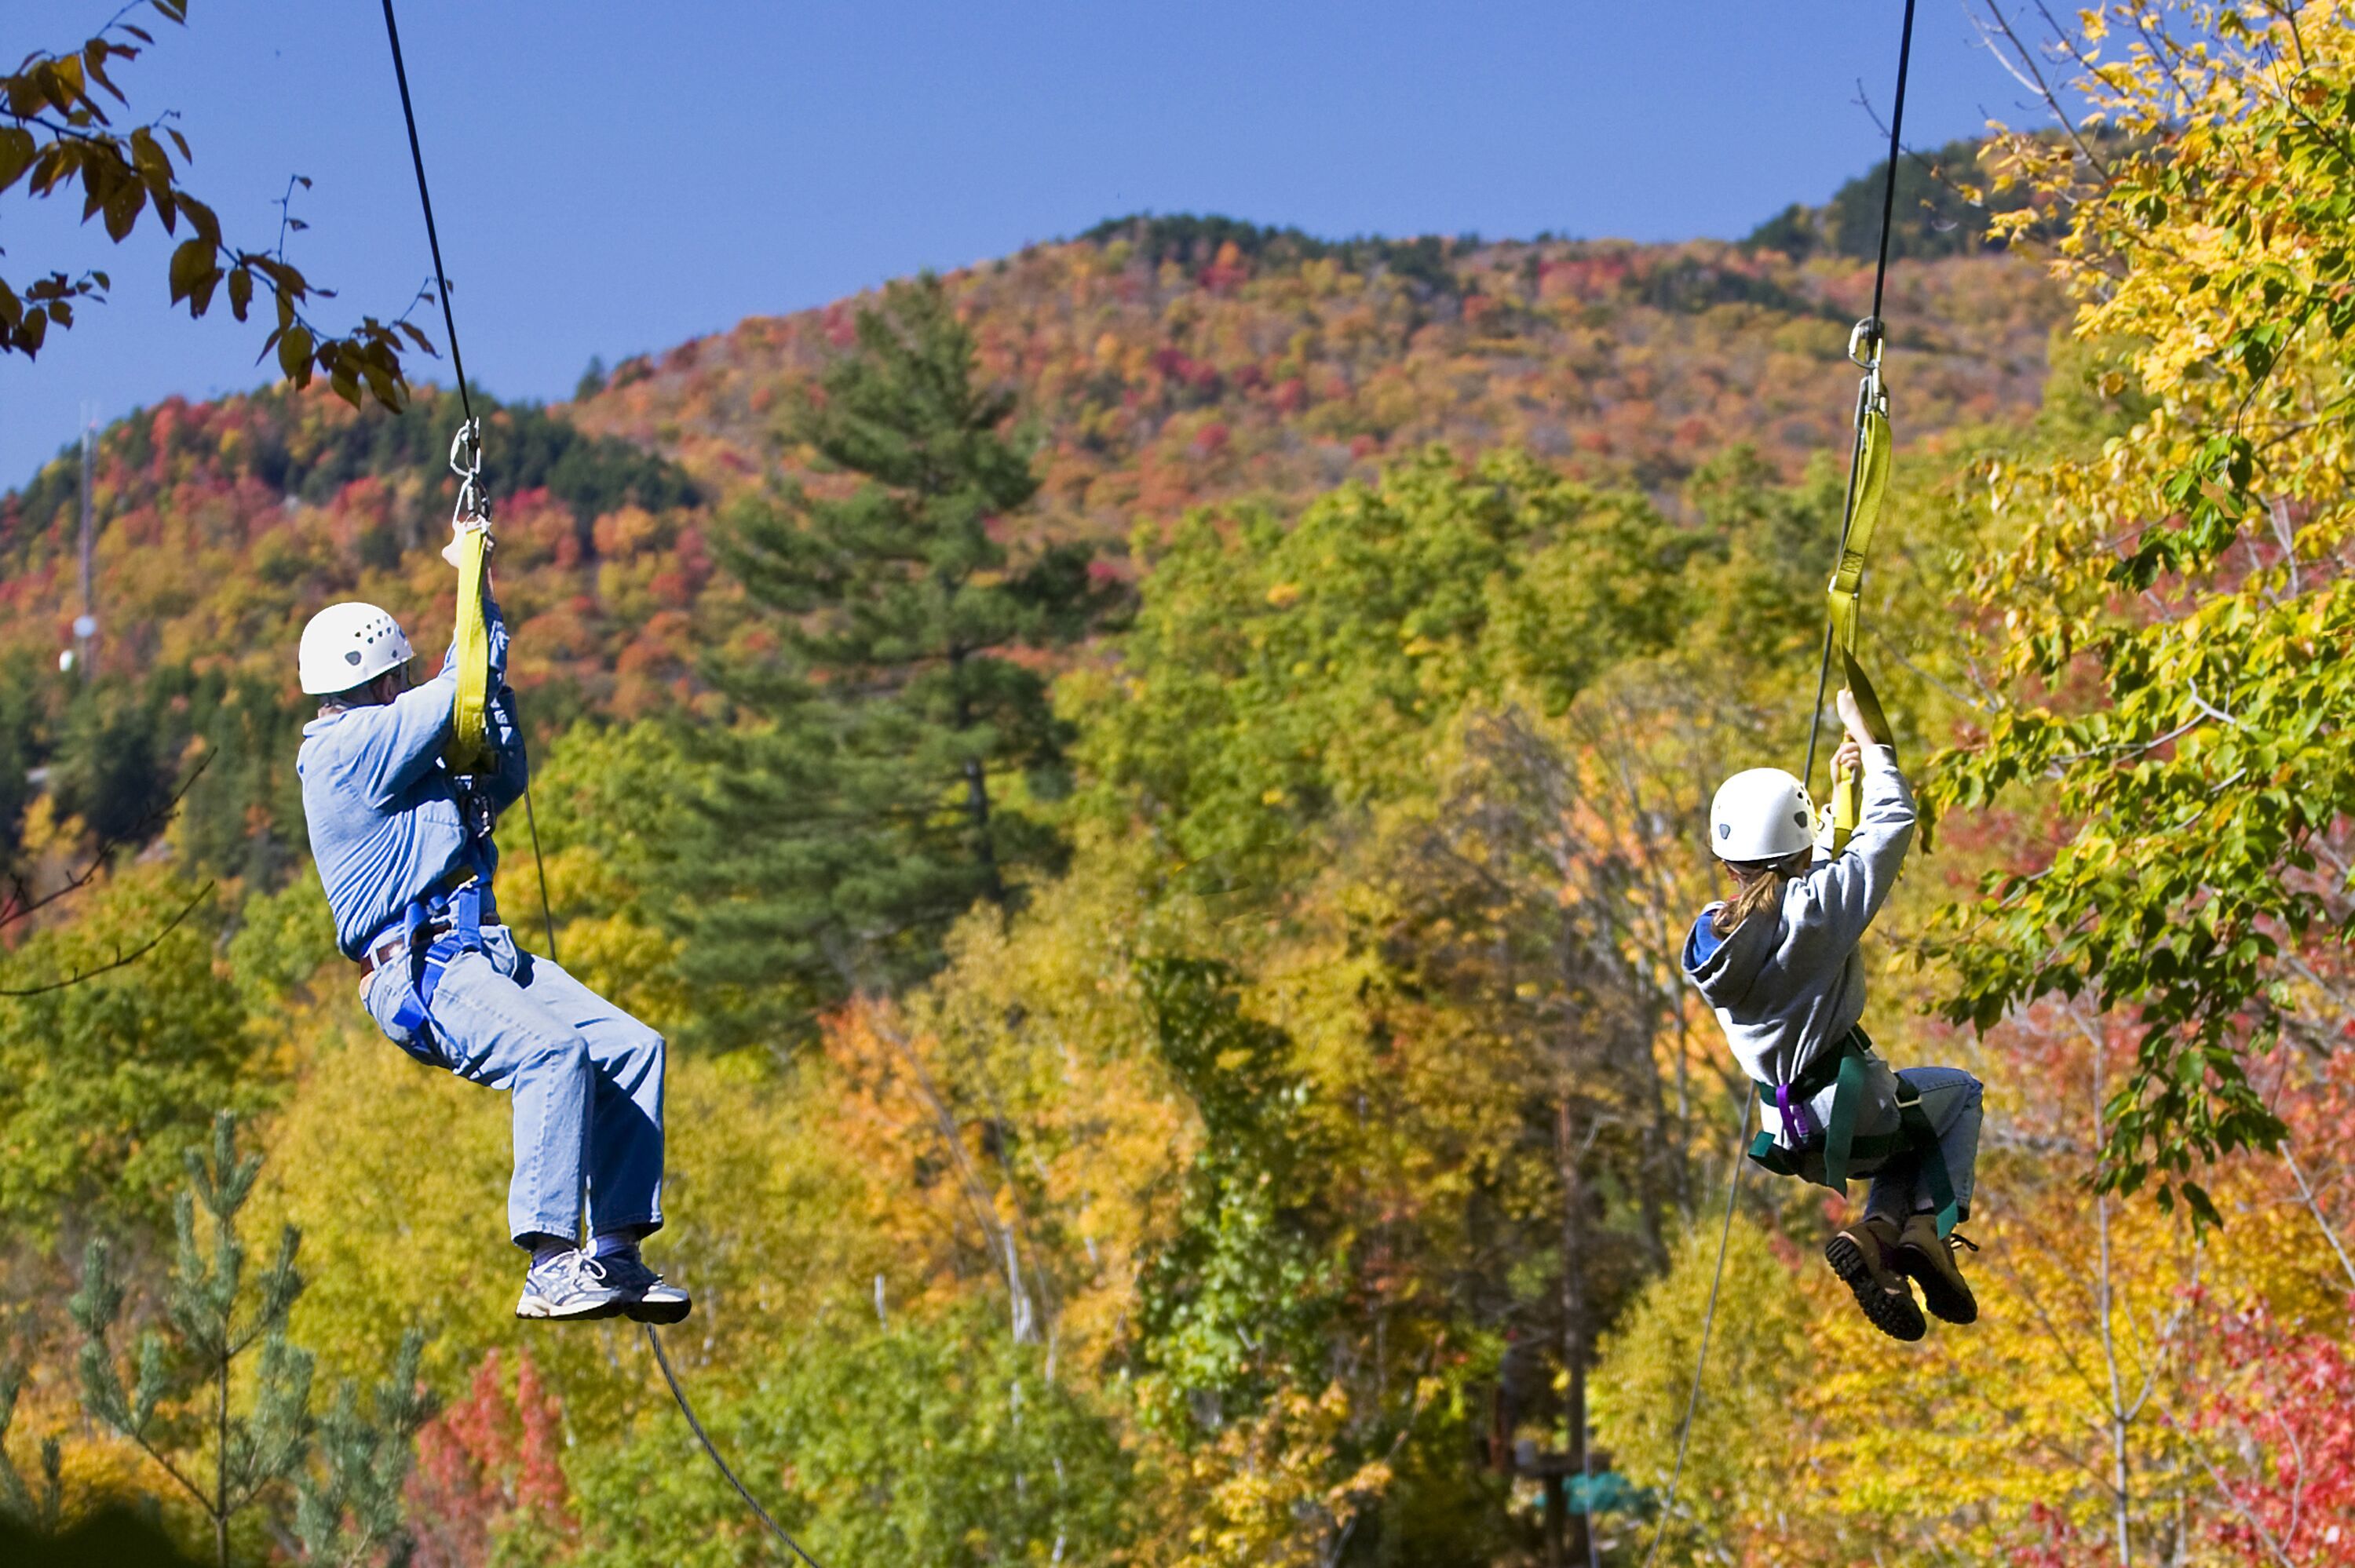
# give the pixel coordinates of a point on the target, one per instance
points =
(1171, 361)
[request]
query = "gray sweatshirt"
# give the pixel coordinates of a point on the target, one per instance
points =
(1788, 986)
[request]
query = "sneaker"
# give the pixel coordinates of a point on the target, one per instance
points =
(645, 1295)
(1929, 1259)
(571, 1287)
(1861, 1256)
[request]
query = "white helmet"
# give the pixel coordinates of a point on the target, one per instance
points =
(1761, 814)
(348, 645)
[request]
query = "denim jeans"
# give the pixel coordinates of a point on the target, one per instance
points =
(1950, 1098)
(587, 1080)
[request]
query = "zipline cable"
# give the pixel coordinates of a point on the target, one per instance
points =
(433, 239)
(531, 819)
(696, 1427)
(1700, 1359)
(1877, 333)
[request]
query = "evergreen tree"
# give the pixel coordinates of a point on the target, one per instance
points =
(19, 1503)
(875, 791)
(177, 1406)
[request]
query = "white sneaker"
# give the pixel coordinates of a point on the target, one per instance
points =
(645, 1295)
(571, 1287)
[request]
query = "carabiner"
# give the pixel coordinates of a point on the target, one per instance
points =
(1864, 341)
(473, 508)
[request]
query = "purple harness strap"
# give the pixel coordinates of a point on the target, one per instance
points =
(1798, 1123)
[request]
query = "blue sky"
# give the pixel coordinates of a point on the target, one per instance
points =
(611, 178)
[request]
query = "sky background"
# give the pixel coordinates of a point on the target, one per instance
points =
(615, 177)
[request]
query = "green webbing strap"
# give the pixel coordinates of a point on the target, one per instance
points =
(1847, 577)
(1839, 1133)
(469, 713)
(1856, 538)
(1842, 1149)
(1919, 1134)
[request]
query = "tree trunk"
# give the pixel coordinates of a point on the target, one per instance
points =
(221, 1455)
(1575, 1349)
(2121, 1478)
(977, 795)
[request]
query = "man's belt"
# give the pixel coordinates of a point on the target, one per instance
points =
(402, 939)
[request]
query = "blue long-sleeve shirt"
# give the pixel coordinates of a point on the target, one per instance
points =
(385, 820)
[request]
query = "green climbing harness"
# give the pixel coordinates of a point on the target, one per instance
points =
(1827, 1154)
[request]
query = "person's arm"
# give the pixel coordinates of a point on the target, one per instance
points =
(399, 741)
(1848, 890)
(512, 765)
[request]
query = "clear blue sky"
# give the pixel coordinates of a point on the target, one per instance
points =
(612, 177)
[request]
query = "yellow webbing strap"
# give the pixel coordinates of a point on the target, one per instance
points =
(470, 710)
(1871, 485)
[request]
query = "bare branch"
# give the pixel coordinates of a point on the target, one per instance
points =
(122, 958)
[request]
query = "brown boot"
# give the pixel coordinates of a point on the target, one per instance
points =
(1861, 1255)
(1929, 1257)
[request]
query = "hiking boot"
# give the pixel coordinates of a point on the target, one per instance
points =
(1861, 1256)
(645, 1295)
(1929, 1259)
(570, 1287)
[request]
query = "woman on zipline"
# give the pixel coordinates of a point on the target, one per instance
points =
(1779, 963)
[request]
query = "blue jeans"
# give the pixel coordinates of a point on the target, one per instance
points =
(1950, 1098)
(586, 1077)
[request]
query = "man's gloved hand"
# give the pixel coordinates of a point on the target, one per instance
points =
(458, 531)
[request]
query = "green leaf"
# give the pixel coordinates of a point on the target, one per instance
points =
(16, 150)
(294, 355)
(192, 259)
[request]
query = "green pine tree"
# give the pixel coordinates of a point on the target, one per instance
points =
(19, 1503)
(879, 788)
(230, 1455)
(345, 1515)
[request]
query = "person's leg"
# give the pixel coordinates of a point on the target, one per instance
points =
(495, 1035)
(1890, 1195)
(1950, 1100)
(626, 1137)
(626, 1060)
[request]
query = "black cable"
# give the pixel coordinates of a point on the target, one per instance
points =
(425, 200)
(1888, 187)
(1701, 1358)
(1879, 281)
(696, 1427)
(547, 911)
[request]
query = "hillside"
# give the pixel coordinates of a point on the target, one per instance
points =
(1162, 364)
(1175, 362)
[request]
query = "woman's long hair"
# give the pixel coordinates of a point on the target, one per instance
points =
(1759, 886)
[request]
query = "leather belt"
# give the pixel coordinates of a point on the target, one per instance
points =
(393, 946)
(397, 945)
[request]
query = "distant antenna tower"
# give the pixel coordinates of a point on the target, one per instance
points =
(85, 626)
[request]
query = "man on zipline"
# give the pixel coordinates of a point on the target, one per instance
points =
(403, 846)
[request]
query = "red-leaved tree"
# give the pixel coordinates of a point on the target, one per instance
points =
(486, 1469)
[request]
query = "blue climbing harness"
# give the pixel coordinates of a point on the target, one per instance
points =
(446, 921)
